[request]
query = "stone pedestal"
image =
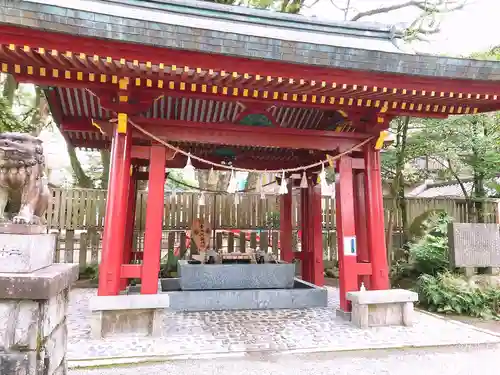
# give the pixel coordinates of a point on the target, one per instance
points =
(25, 248)
(138, 315)
(33, 308)
(378, 308)
(236, 276)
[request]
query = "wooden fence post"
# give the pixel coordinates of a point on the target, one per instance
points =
(82, 258)
(94, 240)
(69, 246)
(230, 242)
(57, 253)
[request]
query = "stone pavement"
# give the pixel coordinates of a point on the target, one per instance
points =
(451, 361)
(227, 332)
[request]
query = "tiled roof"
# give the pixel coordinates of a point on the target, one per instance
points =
(445, 190)
(449, 189)
(199, 26)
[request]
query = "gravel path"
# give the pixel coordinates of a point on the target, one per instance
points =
(473, 360)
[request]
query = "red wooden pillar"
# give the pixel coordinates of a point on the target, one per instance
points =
(154, 220)
(305, 239)
(316, 236)
(346, 231)
(286, 226)
(360, 213)
(129, 227)
(379, 278)
(114, 223)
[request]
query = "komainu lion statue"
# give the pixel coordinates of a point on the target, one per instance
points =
(24, 191)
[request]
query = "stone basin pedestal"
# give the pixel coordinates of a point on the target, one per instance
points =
(235, 276)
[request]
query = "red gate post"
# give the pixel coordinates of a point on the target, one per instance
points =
(286, 225)
(130, 225)
(306, 237)
(114, 222)
(316, 232)
(346, 231)
(361, 223)
(375, 219)
(154, 220)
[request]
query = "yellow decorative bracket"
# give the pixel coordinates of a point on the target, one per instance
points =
(381, 139)
(97, 126)
(122, 123)
(123, 85)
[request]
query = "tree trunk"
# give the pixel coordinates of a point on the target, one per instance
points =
(9, 89)
(105, 159)
(397, 188)
(38, 113)
(478, 190)
(82, 180)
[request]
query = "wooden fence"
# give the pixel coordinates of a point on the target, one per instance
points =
(78, 218)
(81, 209)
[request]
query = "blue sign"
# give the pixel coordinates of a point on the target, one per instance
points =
(350, 245)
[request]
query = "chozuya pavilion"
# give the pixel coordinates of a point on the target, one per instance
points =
(157, 81)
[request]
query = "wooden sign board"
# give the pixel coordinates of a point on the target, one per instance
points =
(474, 245)
(200, 234)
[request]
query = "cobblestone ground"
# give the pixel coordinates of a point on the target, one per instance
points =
(456, 362)
(247, 331)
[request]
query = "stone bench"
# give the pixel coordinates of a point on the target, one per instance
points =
(376, 308)
(134, 314)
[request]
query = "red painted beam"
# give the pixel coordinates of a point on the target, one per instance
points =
(245, 160)
(141, 155)
(131, 271)
(230, 134)
(358, 163)
(84, 125)
(364, 269)
(239, 135)
(131, 51)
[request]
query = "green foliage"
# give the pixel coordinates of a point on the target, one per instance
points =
(452, 294)
(400, 269)
(420, 224)
(463, 145)
(399, 155)
(429, 255)
(11, 123)
(168, 265)
(492, 54)
(90, 272)
(176, 181)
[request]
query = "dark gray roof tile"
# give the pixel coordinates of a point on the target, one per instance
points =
(239, 31)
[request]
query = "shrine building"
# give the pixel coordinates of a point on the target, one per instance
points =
(148, 78)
